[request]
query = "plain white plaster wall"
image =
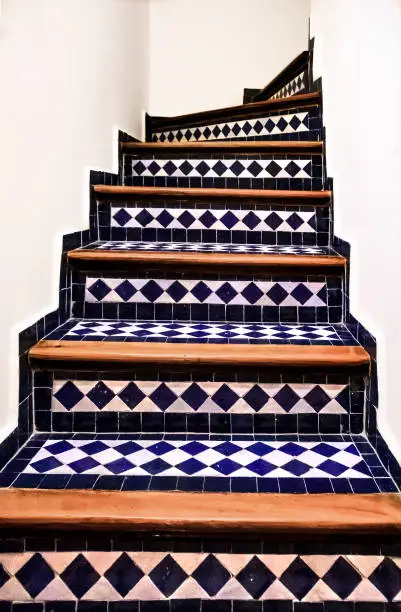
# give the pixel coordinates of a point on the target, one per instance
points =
(202, 54)
(72, 72)
(357, 52)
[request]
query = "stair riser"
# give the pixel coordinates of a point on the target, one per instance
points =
(212, 222)
(218, 296)
(196, 401)
(241, 171)
(295, 124)
(176, 574)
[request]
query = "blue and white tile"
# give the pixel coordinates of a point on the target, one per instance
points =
(165, 331)
(97, 576)
(200, 396)
(195, 291)
(208, 247)
(223, 168)
(295, 86)
(285, 123)
(216, 219)
(201, 458)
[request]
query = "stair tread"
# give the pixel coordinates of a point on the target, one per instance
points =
(250, 146)
(232, 111)
(87, 340)
(313, 198)
(208, 253)
(308, 464)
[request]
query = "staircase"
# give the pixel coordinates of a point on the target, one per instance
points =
(197, 423)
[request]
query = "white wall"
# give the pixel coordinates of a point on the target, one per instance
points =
(72, 72)
(357, 52)
(204, 53)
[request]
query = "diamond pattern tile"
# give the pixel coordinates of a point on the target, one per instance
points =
(242, 293)
(276, 459)
(223, 168)
(154, 575)
(295, 86)
(128, 245)
(289, 123)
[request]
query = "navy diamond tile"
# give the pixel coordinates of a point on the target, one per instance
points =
(301, 293)
(99, 289)
(387, 578)
(211, 575)
(124, 574)
(256, 578)
(4, 576)
(35, 575)
(168, 576)
(225, 397)
(163, 396)
(317, 398)
(226, 466)
(131, 395)
(256, 398)
(79, 576)
(125, 290)
(299, 578)
(194, 396)
(342, 578)
(152, 291)
(122, 217)
(191, 466)
(156, 466)
(69, 395)
(101, 395)
(286, 398)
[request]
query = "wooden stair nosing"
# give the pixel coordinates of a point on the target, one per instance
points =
(283, 355)
(238, 112)
(201, 512)
(313, 147)
(307, 198)
(205, 258)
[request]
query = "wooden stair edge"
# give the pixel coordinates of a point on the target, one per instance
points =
(314, 198)
(207, 258)
(316, 146)
(201, 512)
(228, 112)
(293, 68)
(288, 355)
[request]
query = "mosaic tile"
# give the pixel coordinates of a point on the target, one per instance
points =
(200, 458)
(154, 575)
(216, 219)
(165, 331)
(194, 291)
(201, 396)
(284, 123)
(295, 86)
(127, 245)
(223, 168)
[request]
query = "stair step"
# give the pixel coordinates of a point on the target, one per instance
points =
(286, 197)
(260, 146)
(252, 109)
(208, 463)
(238, 255)
(201, 343)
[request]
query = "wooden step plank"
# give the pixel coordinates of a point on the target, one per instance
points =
(285, 355)
(240, 146)
(307, 198)
(241, 111)
(205, 258)
(201, 512)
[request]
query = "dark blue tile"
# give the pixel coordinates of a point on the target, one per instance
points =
(54, 481)
(364, 485)
(28, 481)
(292, 485)
(109, 483)
(268, 485)
(319, 485)
(243, 485)
(217, 484)
(136, 483)
(163, 483)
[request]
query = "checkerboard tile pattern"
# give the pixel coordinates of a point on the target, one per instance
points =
(215, 219)
(194, 291)
(209, 458)
(177, 331)
(285, 123)
(201, 396)
(148, 575)
(223, 168)
(130, 245)
(295, 86)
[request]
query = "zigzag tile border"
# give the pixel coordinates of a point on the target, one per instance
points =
(288, 123)
(295, 86)
(195, 291)
(216, 219)
(223, 168)
(127, 575)
(206, 397)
